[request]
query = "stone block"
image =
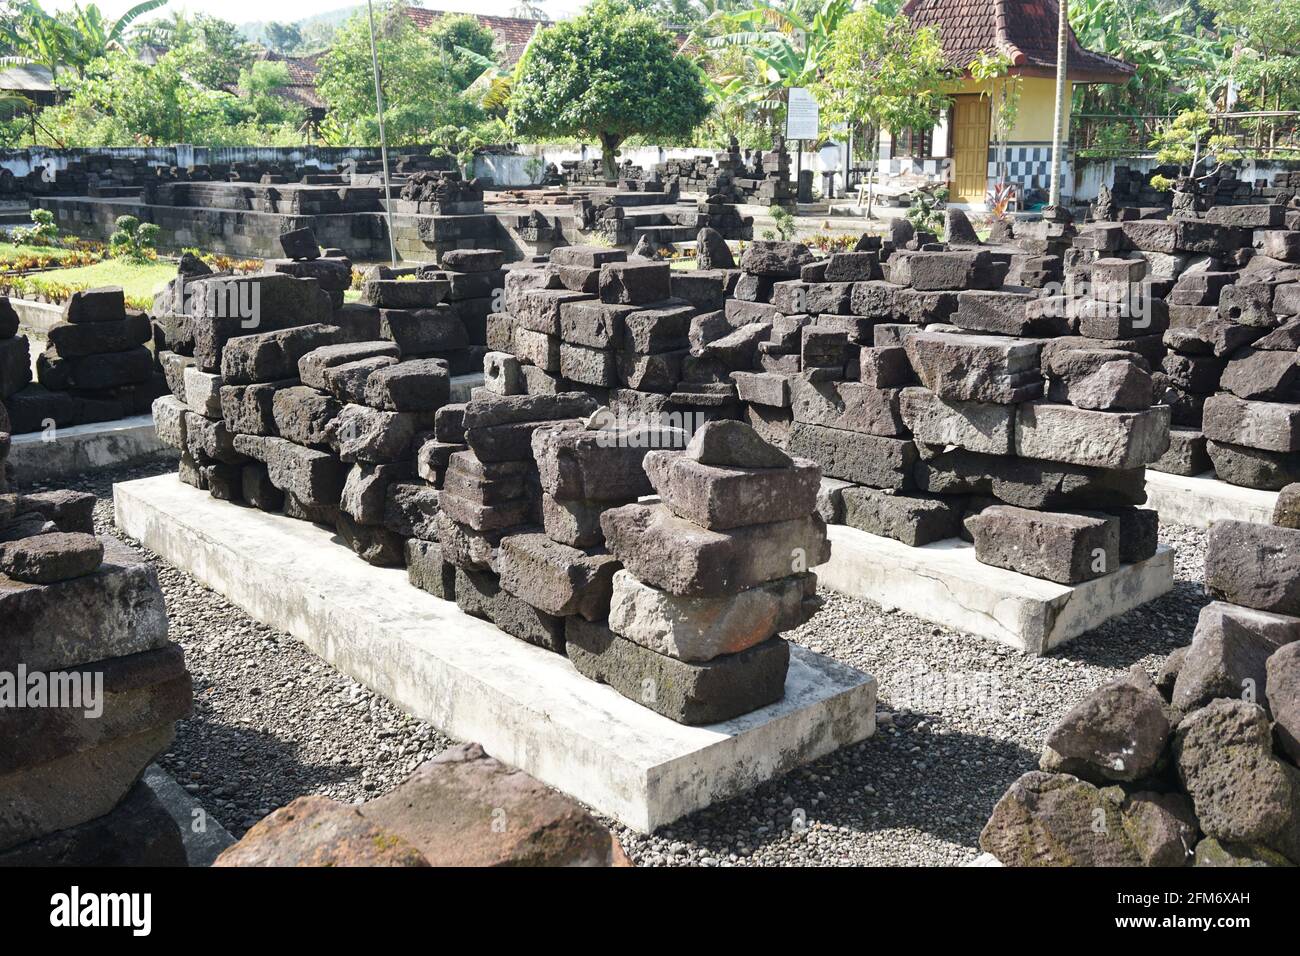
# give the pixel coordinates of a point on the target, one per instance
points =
(873, 460)
(915, 520)
(688, 693)
(976, 368)
(975, 426)
(1091, 438)
(1064, 548)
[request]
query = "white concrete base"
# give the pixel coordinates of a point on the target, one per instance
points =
(38, 317)
(942, 582)
(1201, 500)
(63, 452)
(525, 705)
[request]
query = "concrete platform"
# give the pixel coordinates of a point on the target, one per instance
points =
(1203, 499)
(942, 582)
(525, 705)
(41, 456)
(37, 317)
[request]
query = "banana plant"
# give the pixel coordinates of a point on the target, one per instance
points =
(781, 48)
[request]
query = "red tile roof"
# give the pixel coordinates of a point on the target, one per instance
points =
(1025, 30)
(512, 33)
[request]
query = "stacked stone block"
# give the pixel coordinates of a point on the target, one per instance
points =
(322, 420)
(1225, 277)
(710, 577)
(15, 355)
(90, 689)
(1199, 768)
(96, 367)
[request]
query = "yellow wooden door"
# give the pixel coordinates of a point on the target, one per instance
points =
(970, 149)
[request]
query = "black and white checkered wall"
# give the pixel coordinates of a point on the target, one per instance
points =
(1029, 164)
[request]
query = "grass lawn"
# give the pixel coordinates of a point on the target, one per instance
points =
(138, 280)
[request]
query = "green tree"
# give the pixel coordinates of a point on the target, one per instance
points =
(283, 37)
(782, 46)
(883, 74)
(261, 84)
(213, 52)
(74, 37)
(416, 74)
(609, 73)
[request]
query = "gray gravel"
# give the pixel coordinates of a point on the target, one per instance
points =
(960, 718)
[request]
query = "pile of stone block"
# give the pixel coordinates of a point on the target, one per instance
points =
(477, 282)
(15, 355)
(441, 311)
(1222, 284)
(1198, 768)
(96, 368)
(322, 417)
(331, 269)
(620, 330)
(930, 392)
(711, 575)
(90, 690)
(502, 546)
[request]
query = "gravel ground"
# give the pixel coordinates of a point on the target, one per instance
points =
(960, 718)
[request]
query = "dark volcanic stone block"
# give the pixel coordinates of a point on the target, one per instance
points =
(1065, 548)
(635, 283)
(1030, 483)
(688, 693)
(1254, 565)
(1187, 454)
(1253, 467)
(556, 578)
(853, 456)
(680, 557)
(428, 570)
(106, 304)
(479, 594)
(914, 520)
(94, 338)
(272, 356)
(421, 331)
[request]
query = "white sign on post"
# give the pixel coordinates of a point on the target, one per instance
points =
(801, 115)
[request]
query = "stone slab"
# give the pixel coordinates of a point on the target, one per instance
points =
(202, 834)
(1200, 500)
(526, 706)
(942, 582)
(80, 449)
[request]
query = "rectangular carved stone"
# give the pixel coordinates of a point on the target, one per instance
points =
(1065, 548)
(854, 456)
(1094, 439)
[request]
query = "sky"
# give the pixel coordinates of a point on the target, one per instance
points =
(243, 11)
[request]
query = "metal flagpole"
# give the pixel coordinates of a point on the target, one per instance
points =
(383, 140)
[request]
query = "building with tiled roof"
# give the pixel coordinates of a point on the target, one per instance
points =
(512, 33)
(1025, 32)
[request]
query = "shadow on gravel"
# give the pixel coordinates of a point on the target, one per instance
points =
(942, 785)
(1153, 629)
(254, 773)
